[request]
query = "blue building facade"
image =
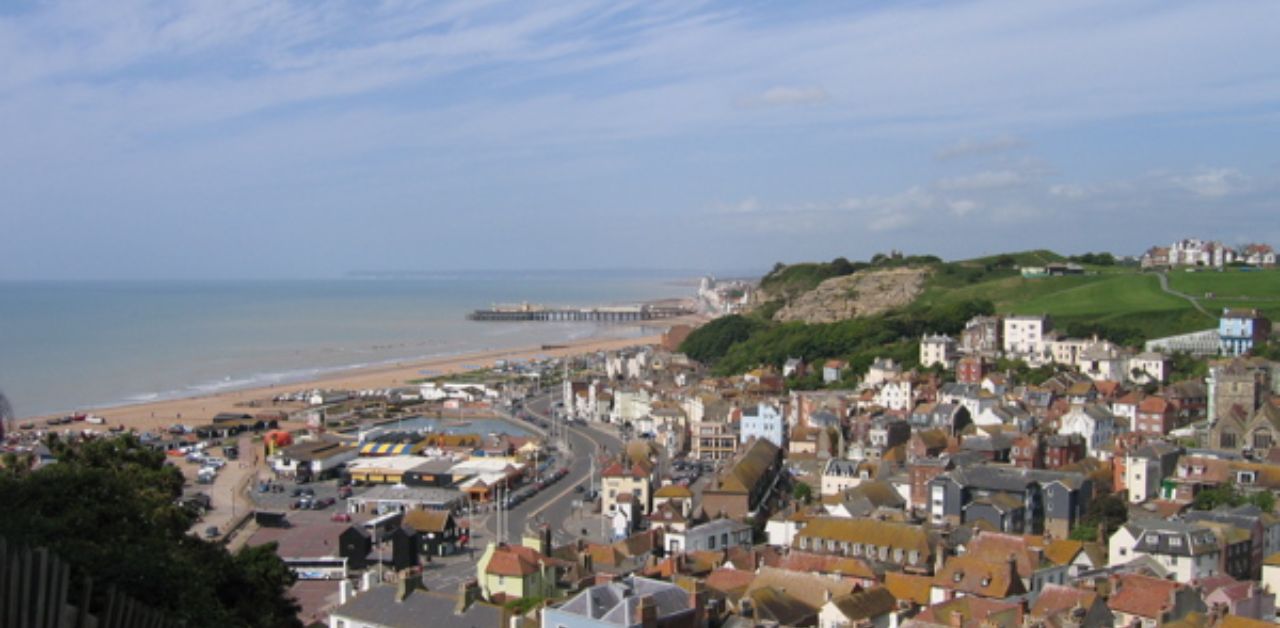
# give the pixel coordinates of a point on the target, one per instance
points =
(1239, 330)
(765, 422)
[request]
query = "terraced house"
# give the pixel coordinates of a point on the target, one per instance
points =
(902, 545)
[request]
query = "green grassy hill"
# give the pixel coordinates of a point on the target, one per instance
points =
(1120, 296)
(1115, 301)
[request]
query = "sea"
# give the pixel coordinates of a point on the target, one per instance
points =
(77, 345)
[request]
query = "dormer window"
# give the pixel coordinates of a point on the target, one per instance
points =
(958, 577)
(986, 582)
(1246, 477)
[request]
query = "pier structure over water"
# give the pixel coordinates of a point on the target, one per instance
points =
(604, 314)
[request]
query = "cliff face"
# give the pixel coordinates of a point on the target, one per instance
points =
(864, 293)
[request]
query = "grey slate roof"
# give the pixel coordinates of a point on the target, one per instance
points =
(378, 606)
(615, 602)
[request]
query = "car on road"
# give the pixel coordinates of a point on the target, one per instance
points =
(321, 504)
(579, 489)
(341, 517)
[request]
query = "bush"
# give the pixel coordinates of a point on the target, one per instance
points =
(710, 342)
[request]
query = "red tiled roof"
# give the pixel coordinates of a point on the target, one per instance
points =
(1143, 596)
(1055, 598)
(509, 564)
(730, 580)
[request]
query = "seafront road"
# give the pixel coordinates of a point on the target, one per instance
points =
(555, 505)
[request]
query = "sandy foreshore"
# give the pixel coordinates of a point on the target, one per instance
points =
(197, 410)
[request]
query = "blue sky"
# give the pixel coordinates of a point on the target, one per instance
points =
(236, 138)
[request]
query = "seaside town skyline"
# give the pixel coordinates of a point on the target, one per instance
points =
(639, 314)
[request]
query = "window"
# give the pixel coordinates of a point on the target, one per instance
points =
(1262, 439)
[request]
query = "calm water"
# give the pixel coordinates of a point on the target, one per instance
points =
(70, 345)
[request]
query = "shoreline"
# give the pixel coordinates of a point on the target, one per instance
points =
(196, 409)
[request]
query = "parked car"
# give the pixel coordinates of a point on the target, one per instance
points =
(211, 532)
(341, 517)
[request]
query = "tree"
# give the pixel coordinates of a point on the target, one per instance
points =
(109, 508)
(1108, 511)
(1086, 532)
(1264, 500)
(710, 342)
(802, 492)
(1221, 495)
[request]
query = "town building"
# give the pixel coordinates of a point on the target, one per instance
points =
(632, 602)
(764, 421)
(937, 349)
(1240, 329)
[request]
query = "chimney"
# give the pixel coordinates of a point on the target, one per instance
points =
(405, 586)
(646, 612)
(344, 591)
(545, 547)
(468, 593)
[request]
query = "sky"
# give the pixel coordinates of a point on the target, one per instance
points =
(254, 139)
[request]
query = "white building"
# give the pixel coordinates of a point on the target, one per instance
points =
(896, 395)
(1188, 551)
(939, 349)
(1096, 424)
(1101, 360)
(1024, 336)
(1147, 367)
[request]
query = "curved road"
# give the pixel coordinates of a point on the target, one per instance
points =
(555, 503)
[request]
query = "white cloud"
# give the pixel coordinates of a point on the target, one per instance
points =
(1069, 191)
(978, 147)
(783, 95)
(962, 207)
(988, 180)
(1213, 183)
(749, 205)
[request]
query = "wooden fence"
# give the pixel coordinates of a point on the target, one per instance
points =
(39, 590)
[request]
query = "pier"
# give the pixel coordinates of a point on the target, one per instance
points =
(608, 314)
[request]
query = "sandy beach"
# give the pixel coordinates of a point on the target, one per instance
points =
(200, 409)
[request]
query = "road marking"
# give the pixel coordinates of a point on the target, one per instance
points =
(567, 489)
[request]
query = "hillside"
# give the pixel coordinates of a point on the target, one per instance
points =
(864, 293)
(810, 310)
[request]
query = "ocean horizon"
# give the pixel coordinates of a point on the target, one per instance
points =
(77, 345)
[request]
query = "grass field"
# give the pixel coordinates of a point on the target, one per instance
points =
(1127, 299)
(1118, 296)
(1228, 284)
